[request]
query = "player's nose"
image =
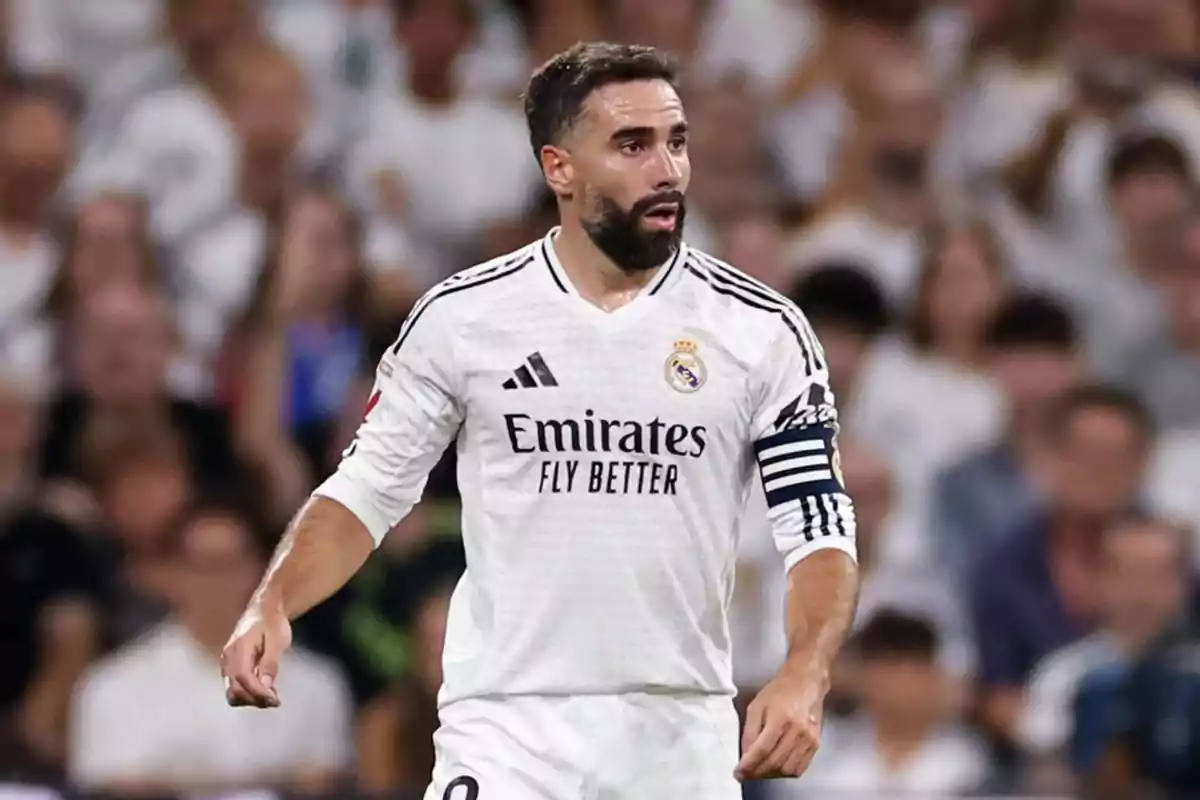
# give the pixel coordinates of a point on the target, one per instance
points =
(666, 172)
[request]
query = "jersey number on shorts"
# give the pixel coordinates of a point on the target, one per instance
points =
(469, 785)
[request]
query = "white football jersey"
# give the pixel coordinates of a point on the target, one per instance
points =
(604, 459)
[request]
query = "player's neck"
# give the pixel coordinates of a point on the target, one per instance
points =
(597, 279)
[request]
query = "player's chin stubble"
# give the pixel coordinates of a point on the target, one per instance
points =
(620, 236)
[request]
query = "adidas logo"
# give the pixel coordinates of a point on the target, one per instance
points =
(531, 375)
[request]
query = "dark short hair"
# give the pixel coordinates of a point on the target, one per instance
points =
(842, 294)
(1029, 320)
(1100, 397)
(890, 633)
(403, 9)
(1147, 152)
(223, 506)
(558, 89)
(894, 14)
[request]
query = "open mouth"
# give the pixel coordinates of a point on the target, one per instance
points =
(663, 217)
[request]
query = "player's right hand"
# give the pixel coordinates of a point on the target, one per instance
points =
(250, 660)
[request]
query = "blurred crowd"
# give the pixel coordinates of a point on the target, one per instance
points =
(215, 213)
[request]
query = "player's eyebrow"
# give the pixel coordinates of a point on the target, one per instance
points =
(645, 132)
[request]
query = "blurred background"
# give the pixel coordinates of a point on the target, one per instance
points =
(214, 214)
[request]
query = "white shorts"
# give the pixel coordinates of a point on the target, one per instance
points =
(598, 747)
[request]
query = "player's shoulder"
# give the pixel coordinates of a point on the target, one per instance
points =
(481, 285)
(746, 299)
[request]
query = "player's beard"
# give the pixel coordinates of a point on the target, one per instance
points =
(620, 236)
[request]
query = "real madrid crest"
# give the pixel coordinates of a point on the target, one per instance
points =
(684, 370)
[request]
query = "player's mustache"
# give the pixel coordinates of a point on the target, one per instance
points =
(647, 203)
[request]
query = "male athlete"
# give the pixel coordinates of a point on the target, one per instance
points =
(613, 393)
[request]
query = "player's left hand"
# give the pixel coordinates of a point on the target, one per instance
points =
(783, 726)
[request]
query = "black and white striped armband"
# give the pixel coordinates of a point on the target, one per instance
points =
(799, 463)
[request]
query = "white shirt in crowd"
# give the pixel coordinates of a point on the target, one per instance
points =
(433, 159)
(27, 274)
(177, 150)
(921, 416)
(890, 255)
(763, 39)
(848, 764)
(1078, 205)
(604, 461)
(757, 620)
(155, 710)
(81, 40)
(1045, 722)
(216, 275)
(1173, 483)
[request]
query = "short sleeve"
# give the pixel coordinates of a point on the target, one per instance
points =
(413, 413)
(794, 428)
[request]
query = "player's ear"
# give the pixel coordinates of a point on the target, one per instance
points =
(558, 169)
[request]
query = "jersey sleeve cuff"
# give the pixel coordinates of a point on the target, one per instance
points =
(793, 556)
(358, 501)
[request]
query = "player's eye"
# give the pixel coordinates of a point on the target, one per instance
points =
(631, 148)
(678, 143)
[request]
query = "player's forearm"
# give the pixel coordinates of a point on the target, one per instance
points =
(821, 597)
(322, 549)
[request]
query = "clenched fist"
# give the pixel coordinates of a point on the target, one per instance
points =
(783, 726)
(250, 660)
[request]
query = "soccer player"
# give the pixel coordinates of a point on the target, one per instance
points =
(611, 390)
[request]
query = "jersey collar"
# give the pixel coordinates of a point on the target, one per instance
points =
(562, 283)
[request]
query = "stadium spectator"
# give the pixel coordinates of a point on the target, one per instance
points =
(105, 243)
(53, 590)
(1149, 185)
(264, 102)
(1034, 357)
(124, 343)
(140, 483)
(35, 150)
(891, 581)
(181, 742)
(302, 344)
(1007, 62)
(902, 740)
(1165, 371)
(76, 41)
(962, 283)
(949, 405)
(174, 142)
(849, 315)
(1110, 83)
(1038, 588)
(195, 34)
(755, 237)
(676, 26)
(885, 195)
(1146, 576)
(735, 180)
(832, 80)
(417, 170)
